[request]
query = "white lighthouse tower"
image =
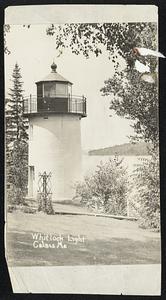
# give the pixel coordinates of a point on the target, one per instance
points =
(55, 135)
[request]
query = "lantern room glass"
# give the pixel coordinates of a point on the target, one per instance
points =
(52, 90)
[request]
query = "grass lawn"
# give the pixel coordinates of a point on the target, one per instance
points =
(106, 241)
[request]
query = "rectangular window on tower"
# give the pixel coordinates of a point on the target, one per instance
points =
(31, 180)
(31, 132)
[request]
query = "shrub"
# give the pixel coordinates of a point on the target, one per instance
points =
(28, 210)
(11, 208)
(106, 189)
(147, 181)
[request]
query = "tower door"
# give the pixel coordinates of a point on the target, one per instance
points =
(31, 180)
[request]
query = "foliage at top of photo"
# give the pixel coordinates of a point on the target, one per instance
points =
(131, 96)
(117, 38)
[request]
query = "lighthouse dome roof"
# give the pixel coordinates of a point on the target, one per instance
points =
(54, 76)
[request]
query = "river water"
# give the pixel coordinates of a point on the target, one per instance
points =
(89, 162)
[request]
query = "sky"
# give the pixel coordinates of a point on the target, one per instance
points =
(34, 51)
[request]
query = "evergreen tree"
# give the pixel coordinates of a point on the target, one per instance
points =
(17, 126)
(16, 142)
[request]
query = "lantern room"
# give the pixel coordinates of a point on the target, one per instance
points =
(53, 92)
(54, 95)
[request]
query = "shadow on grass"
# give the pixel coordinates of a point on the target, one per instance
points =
(115, 251)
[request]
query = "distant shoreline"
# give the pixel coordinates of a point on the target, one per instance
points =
(118, 154)
(127, 149)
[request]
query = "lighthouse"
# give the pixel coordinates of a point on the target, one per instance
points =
(54, 116)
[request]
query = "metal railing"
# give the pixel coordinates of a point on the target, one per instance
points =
(58, 104)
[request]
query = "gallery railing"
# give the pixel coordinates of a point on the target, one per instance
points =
(58, 104)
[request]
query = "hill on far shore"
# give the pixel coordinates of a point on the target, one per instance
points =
(124, 149)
